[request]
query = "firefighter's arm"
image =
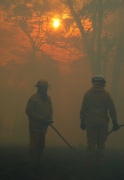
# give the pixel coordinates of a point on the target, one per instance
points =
(83, 113)
(50, 118)
(112, 113)
(30, 111)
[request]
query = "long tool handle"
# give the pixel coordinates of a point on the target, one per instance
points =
(65, 141)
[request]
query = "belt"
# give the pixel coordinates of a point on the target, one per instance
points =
(97, 110)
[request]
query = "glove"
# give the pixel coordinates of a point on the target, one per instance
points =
(83, 125)
(49, 122)
(46, 122)
(115, 127)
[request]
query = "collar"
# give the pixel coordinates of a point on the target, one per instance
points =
(98, 87)
(42, 97)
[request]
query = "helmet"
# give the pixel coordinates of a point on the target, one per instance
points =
(99, 79)
(42, 82)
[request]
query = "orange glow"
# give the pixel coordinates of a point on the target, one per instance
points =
(56, 22)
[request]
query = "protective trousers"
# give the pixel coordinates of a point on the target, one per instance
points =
(96, 137)
(37, 144)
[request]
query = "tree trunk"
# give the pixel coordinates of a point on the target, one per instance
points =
(33, 53)
(116, 72)
(98, 53)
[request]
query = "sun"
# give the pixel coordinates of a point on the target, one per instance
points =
(56, 22)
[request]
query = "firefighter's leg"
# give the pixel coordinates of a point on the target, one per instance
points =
(101, 139)
(33, 148)
(41, 145)
(91, 144)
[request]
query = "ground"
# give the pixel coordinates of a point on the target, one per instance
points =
(58, 163)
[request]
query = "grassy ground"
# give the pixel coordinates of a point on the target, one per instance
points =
(58, 164)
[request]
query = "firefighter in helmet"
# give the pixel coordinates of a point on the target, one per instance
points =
(39, 112)
(97, 107)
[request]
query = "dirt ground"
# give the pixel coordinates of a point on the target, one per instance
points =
(58, 163)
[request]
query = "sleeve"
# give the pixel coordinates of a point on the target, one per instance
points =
(111, 108)
(51, 110)
(30, 111)
(83, 111)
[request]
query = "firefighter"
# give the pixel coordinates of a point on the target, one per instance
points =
(97, 107)
(39, 112)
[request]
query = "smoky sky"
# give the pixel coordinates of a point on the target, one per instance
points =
(69, 77)
(68, 83)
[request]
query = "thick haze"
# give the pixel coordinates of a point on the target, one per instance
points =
(68, 81)
(69, 77)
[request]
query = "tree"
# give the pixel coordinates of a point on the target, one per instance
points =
(35, 20)
(98, 41)
(83, 28)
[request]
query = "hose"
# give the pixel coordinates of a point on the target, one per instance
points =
(113, 130)
(70, 145)
(66, 141)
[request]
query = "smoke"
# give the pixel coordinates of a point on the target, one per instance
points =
(68, 83)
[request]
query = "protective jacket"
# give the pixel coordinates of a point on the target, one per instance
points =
(97, 106)
(39, 111)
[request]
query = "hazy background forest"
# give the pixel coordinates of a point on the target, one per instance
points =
(88, 41)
